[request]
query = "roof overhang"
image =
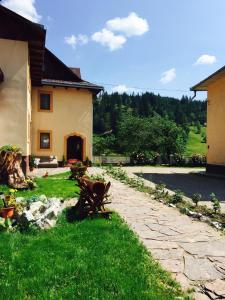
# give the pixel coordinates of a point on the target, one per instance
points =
(95, 89)
(16, 27)
(203, 85)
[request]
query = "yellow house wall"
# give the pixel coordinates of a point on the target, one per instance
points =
(72, 113)
(14, 94)
(216, 123)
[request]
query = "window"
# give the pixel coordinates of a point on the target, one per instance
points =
(45, 140)
(45, 101)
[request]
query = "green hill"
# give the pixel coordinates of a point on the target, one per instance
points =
(194, 144)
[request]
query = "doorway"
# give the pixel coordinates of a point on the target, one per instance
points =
(75, 148)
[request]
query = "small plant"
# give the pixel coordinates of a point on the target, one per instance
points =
(2, 204)
(32, 162)
(10, 148)
(177, 197)
(87, 162)
(215, 203)
(78, 164)
(31, 183)
(63, 161)
(196, 198)
(160, 191)
(98, 177)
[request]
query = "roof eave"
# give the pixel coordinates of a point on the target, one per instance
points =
(203, 85)
(95, 89)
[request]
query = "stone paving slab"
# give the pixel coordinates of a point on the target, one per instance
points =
(191, 250)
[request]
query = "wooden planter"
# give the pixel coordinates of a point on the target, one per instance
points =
(7, 212)
(93, 197)
(77, 172)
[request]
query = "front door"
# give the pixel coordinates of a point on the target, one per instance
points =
(75, 148)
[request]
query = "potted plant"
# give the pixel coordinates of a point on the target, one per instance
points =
(7, 205)
(32, 163)
(78, 169)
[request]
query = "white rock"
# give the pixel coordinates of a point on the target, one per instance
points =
(217, 225)
(52, 212)
(172, 205)
(37, 207)
(54, 202)
(20, 199)
(27, 216)
(193, 214)
(204, 218)
(42, 198)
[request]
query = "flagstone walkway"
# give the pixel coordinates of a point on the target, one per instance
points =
(191, 250)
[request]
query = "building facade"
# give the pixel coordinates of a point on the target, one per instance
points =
(215, 87)
(45, 107)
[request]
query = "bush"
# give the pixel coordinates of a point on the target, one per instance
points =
(198, 160)
(216, 203)
(11, 148)
(177, 197)
(196, 198)
(177, 160)
(144, 158)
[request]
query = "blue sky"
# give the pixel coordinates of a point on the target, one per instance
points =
(165, 46)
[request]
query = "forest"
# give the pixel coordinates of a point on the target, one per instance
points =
(129, 124)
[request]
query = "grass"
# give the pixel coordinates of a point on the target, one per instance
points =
(93, 259)
(52, 186)
(194, 144)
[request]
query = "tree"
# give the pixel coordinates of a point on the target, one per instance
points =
(150, 134)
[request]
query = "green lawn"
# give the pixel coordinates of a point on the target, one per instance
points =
(93, 259)
(194, 144)
(52, 186)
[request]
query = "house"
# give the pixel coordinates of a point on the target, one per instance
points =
(215, 87)
(45, 106)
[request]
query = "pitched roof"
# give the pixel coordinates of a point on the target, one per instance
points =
(72, 84)
(76, 71)
(54, 68)
(203, 85)
(16, 27)
(45, 67)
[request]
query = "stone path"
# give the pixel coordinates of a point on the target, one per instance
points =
(189, 180)
(191, 250)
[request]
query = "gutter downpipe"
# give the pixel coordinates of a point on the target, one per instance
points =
(195, 92)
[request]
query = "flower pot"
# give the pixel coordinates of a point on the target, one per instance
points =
(7, 212)
(78, 171)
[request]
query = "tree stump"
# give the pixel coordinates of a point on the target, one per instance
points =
(10, 170)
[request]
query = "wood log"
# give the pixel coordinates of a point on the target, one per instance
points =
(11, 171)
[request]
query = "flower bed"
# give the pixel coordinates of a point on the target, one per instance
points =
(39, 212)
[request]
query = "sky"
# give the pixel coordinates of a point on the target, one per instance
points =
(163, 46)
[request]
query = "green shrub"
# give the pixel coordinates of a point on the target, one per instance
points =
(215, 203)
(144, 158)
(160, 191)
(196, 198)
(198, 160)
(11, 148)
(177, 197)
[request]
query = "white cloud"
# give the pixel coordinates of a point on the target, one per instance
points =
(129, 26)
(122, 88)
(168, 76)
(73, 40)
(25, 8)
(206, 59)
(108, 39)
(82, 39)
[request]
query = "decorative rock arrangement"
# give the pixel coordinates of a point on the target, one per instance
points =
(42, 213)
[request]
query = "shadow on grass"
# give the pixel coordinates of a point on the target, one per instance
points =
(189, 184)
